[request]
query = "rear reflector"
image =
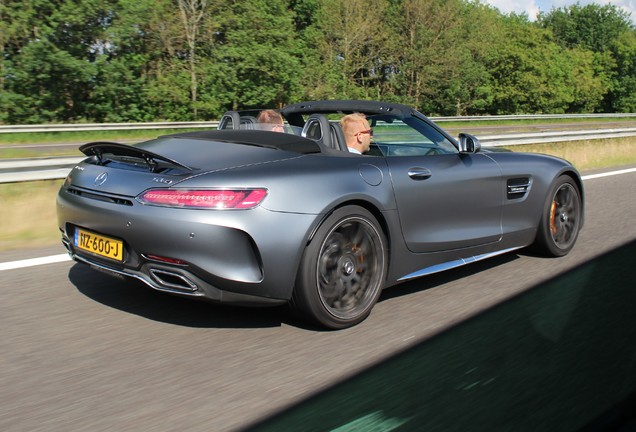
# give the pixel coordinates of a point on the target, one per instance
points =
(165, 259)
(204, 199)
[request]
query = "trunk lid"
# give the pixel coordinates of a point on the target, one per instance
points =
(127, 170)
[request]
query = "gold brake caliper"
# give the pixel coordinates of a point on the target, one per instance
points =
(553, 227)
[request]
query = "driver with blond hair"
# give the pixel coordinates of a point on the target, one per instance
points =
(357, 132)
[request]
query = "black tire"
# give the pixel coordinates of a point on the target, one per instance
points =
(561, 219)
(342, 271)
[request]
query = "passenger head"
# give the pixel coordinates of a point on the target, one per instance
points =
(271, 120)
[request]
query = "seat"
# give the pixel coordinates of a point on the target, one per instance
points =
(318, 129)
(229, 120)
(337, 136)
(247, 122)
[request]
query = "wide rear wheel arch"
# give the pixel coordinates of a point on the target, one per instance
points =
(342, 270)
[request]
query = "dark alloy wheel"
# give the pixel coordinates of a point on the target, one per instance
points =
(561, 220)
(343, 269)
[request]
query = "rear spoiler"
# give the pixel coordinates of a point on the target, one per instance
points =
(99, 148)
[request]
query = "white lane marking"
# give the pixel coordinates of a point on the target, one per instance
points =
(607, 174)
(64, 257)
(34, 262)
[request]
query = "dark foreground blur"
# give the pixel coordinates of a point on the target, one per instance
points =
(559, 357)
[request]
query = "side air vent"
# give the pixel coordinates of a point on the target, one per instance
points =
(99, 197)
(518, 187)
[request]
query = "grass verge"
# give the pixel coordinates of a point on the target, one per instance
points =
(28, 214)
(27, 145)
(533, 122)
(85, 136)
(588, 155)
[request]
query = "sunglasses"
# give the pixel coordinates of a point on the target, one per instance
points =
(369, 131)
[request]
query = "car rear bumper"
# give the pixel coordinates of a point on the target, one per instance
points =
(173, 280)
(240, 257)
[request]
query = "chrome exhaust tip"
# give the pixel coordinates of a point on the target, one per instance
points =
(172, 280)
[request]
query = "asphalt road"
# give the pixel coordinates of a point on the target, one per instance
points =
(80, 351)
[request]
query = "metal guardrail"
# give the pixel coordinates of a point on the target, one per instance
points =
(213, 124)
(533, 117)
(20, 170)
(105, 127)
(559, 136)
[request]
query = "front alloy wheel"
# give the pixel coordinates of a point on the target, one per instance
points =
(561, 220)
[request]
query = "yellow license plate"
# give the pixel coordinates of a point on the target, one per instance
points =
(99, 244)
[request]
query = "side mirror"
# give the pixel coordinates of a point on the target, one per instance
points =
(468, 143)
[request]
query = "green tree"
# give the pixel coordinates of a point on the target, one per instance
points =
(622, 97)
(432, 55)
(50, 85)
(348, 40)
(126, 64)
(192, 13)
(465, 85)
(145, 60)
(153, 68)
(533, 74)
(258, 56)
(607, 31)
(594, 27)
(14, 30)
(49, 70)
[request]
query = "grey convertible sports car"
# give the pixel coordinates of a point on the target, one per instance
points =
(257, 217)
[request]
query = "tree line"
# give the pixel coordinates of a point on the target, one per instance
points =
(151, 60)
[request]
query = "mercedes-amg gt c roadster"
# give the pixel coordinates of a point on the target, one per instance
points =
(250, 216)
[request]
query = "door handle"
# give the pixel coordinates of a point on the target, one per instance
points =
(419, 173)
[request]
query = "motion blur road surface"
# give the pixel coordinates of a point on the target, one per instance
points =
(81, 351)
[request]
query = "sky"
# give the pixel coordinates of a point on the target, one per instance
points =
(533, 7)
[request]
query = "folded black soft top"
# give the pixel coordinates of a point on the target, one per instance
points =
(276, 140)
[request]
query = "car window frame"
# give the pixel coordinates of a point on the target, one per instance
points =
(435, 141)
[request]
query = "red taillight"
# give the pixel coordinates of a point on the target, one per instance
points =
(203, 198)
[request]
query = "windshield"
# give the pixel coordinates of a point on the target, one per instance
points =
(409, 137)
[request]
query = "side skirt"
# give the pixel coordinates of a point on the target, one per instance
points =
(455, 263)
